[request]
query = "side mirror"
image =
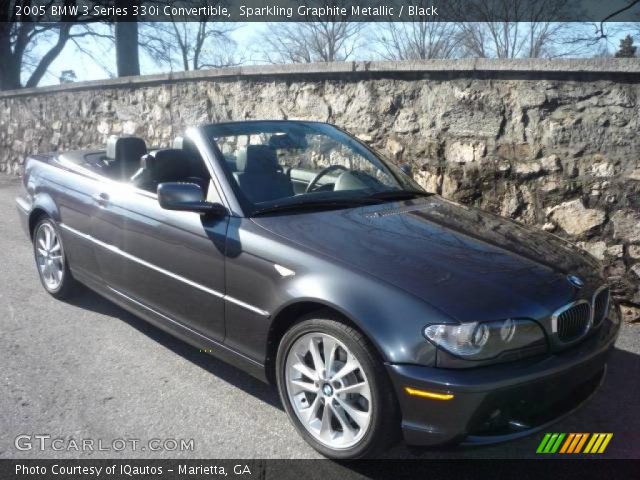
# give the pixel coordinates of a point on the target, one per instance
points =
(187, 197)
(406, 169)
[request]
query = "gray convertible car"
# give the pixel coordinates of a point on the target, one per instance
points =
(298, 254)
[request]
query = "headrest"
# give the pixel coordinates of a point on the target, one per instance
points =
(167, 165)
(125, 148)
(257, 159)
(178, 143)
(186, 144)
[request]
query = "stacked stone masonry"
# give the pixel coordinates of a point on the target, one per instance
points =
(550, 144)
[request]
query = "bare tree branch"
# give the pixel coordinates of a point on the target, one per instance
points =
(629, 6)
(190, 45)
(419, 40)
(525, 28)
(326, 41)
(21, 35)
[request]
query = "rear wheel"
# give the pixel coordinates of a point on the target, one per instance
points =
(335, 389)
(53, 268)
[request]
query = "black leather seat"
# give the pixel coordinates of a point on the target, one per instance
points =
(123, 156)
(168, 165)
(198, 168)
(259, 175)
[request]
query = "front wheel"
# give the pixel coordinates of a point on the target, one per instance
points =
(335, 390)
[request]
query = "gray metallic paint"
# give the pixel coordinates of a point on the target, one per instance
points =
(470, 264)
(390, 268)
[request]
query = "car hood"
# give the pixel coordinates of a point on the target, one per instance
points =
(469, 264)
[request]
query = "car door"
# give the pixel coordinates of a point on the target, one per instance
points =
(75, 192)
(171, 262)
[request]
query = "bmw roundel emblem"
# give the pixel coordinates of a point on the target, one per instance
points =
(575, 281)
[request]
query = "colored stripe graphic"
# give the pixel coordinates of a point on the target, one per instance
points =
(567, 443)
(550, 443)
(599, 443)
(605, 443)
(594, 437)
(581, 443)
(576, 440)
(574, 443)
(556, 445)
(543, 443)
(596, 445)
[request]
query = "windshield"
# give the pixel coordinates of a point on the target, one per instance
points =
(284, 164)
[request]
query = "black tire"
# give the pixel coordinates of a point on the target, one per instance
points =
(67, 285)
(384, 426)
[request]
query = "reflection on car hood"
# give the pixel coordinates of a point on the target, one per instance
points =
(466, 262)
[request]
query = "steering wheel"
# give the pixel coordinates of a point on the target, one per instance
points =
(321, 174)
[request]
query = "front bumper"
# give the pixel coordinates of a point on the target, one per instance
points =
(500, 402)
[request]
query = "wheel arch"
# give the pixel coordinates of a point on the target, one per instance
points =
(43, 205)
(34, 217)
(290, 314)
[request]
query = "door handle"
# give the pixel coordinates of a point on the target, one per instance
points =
(101, 198)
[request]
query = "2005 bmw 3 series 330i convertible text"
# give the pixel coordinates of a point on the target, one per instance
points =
(295, 252)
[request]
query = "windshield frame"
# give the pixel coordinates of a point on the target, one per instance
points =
(250, 209)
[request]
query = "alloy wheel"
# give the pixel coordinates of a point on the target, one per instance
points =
(49, 256)
(328, 390)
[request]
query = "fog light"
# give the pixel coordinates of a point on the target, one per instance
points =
(426, 394)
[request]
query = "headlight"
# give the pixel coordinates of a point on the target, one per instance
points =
(486, 340)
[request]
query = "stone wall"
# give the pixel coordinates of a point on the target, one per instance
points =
(549, 143)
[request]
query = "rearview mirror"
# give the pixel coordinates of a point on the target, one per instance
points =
(406, 169)
(187, 197)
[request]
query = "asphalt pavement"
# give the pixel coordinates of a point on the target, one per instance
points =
(88, 370)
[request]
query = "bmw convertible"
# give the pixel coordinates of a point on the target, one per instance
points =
(290, 249)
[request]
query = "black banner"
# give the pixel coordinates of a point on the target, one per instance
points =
(318, 469)
(322, 10)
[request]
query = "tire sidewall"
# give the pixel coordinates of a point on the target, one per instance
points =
(380, 402)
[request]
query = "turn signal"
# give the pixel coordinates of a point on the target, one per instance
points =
(426, 394)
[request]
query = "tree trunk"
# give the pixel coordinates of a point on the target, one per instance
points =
(127, 59)
(10, 71)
